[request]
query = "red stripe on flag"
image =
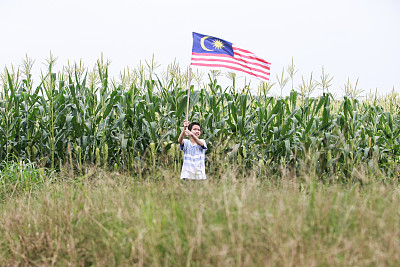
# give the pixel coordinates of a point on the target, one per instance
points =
(245, 66)
(251, 63)
(247, 51)
(250, 57)
(236, 58)
(230, 67)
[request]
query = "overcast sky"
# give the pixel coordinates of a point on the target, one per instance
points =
(350, 38)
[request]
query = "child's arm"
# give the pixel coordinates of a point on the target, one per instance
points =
(180, 139)
(197, 140)
(181, 136)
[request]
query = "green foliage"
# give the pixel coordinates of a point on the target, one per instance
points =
(79, 117)
(17, 176)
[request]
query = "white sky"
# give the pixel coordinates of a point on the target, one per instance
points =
(350, 38)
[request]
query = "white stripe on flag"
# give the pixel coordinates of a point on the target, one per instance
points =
(232, 67)
(230, 62)
(243, 61)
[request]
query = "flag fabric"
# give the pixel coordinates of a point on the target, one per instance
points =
(209, 51)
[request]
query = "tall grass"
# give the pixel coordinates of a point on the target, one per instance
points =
(18, 177)
(106, 219)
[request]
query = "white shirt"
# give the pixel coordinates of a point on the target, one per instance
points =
(194, 160)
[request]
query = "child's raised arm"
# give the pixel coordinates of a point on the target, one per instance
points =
(185, 126)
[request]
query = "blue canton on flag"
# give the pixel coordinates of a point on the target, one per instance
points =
(211, 45)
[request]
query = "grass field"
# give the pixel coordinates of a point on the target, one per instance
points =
(109, 219)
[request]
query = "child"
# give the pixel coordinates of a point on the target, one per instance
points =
(193, 167)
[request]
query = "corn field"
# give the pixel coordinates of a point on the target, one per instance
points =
(76, 116)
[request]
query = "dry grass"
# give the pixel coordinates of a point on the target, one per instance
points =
(106, 219)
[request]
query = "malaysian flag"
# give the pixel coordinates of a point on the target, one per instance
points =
(210, 51)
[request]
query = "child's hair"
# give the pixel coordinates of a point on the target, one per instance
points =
(191, 125)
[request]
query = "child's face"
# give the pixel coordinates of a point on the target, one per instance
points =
(196, 130)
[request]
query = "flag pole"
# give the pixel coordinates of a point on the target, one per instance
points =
(188, 93)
